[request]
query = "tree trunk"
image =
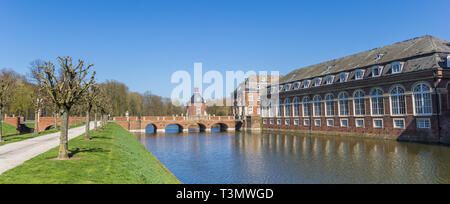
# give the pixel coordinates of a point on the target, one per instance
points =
(88, 120)
(1, 124)
(37, 113)
(56, 120)
(95, 121)
(64, 136)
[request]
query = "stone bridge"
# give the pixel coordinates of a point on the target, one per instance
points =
(160, 123)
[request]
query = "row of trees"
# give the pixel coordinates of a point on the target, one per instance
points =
(61, 91)
(147, 104)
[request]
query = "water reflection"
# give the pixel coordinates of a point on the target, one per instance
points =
(292, 158)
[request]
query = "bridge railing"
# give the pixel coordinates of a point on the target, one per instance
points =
(172, 118)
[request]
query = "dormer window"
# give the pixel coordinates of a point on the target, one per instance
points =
(287, 87)
(317, 82)
(397, 67)
(376, 71)
(379, 56)
(343, 77)
(306, 84)
(330, 80)
(280, 88)
(359, 74)
(296, 85)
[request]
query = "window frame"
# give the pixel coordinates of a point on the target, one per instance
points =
(400, 66)
(319, 124)
(329, 98)
(317, 81)
(374, 123)
(423, 119)
(306, 84)
(345, 74)
(380, 68)
(341, 104)
(422, 93)
(328, 122)
(377, 103)
(317, 100)
(359, 99)
(341, 122)
(362, 72)
(395, 124)
(363, 123)
(306, 107)
(398, 101)
(329, 79)
(305, 124)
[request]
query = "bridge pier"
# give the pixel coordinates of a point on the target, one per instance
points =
(161, 130)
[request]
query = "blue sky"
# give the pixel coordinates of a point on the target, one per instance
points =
(142, 42)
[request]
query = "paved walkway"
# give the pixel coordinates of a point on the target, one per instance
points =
(15, 154)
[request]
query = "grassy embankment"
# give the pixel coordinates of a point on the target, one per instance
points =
(11, 136)
(114, 156)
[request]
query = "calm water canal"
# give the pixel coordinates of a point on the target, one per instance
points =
(283, 158)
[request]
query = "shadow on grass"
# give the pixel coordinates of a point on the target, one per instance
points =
(102, 137)
(86, 150)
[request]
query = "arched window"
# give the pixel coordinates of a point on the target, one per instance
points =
(377, 102)
(317, 106)
(343, 104)
(398, 101)
(306, 107)
(330, 104)
(296, 107)
(422, 99)
(287, 108)
(360, 105)
(280, 109)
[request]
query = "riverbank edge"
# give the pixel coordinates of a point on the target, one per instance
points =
(403, 138)
(160, 164)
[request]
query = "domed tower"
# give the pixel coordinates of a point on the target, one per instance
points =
(197, 105)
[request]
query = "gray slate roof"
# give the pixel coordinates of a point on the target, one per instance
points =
(427, 46)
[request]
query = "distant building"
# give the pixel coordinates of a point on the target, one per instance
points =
(197, 105)
(247, 96)
(401, 91)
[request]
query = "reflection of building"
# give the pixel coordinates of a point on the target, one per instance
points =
(401, 91)
(197, 105)
(247, 96)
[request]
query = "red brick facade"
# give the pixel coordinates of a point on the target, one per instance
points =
(439, 132)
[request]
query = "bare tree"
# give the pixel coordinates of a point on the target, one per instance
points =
(36, 68)
(5, 98)
(66, 89)
(90, 98)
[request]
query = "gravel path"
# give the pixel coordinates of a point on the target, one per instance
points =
(15, 154)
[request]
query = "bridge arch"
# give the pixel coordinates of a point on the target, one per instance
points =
(174, 128)
(151, 129)
(197, 127)
(219, 127)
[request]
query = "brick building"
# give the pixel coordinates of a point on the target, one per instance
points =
(197, 105)
(247, 96)
(400, 91)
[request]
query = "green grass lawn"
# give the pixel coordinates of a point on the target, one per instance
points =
(17, 138)
(8, 129)
(114, 156)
